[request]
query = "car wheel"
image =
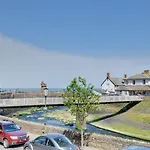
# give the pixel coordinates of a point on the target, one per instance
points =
(27, 148)
(5, 143)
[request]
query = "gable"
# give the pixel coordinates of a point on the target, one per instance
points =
(107, 80)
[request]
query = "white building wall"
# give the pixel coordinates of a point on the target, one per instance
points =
(148, 82)
(108, 86)
(122, 93)
(138, 82)
(130, 82)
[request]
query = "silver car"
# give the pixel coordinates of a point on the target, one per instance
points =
(50, 141)
(137, 148)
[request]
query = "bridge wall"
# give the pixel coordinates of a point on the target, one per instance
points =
(59, 101)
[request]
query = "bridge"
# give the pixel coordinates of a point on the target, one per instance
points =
(58, 101)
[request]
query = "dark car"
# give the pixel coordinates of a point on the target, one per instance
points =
(136, 148)
(50, 141)
(12, 134)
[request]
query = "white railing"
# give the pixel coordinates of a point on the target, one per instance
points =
(59, 100)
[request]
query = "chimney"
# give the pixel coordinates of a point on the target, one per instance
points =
(147, 71)
(108, 75)
(125, 76)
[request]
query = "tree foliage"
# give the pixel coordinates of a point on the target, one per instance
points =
(80, 98)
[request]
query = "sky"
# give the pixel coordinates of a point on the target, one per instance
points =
(55, 41)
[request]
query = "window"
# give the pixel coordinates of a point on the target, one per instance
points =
(62, 141)
(40, 140)
(1, 127)
(133, 81)
(50, 143)
(144, 81)
(11, 127)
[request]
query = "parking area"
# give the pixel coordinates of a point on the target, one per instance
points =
(32, 136)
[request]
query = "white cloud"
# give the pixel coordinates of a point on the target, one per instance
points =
(25, 66)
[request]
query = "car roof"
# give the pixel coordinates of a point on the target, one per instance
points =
(53, 135)
(6, 122)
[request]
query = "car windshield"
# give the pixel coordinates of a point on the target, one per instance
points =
(10, 127)
(62, 141)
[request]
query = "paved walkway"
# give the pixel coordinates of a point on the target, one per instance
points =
(32, 136)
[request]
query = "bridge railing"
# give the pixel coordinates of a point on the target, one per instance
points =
(120, 98)
(59, 100)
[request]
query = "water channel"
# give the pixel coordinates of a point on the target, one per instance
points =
(37, 115)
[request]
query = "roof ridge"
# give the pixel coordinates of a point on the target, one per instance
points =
(117, 77)
(146, 75)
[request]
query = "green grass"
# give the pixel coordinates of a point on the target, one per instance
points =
(67, 117)
(62, 115)
(140, 113)
(126, 130)
(26, 112)
(143, 107)
(93, 117)
(111, 108)
(139, 117)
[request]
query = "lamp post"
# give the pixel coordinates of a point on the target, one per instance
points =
(45, 95)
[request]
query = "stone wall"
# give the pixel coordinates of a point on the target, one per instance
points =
(104, 142)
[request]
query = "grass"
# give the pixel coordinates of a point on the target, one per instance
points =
(139, 117)
(26, 112)
(143, 107)
(111, 108)
(62, 115)
(140, 113)
(127, 130)
(66, 116)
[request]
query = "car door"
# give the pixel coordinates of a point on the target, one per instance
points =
(1, 133)
(50, 145)
(40, 143)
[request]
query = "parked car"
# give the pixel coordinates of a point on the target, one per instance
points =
(136, 148)
(50, 141)
(12, 134)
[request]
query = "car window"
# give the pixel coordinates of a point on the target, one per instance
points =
(11, 127)
(40, 140)
(50, 143)
(0, 127)
(62, 141)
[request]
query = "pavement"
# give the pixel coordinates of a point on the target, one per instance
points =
(33, 136)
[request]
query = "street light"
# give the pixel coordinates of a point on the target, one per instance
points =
(45, 94)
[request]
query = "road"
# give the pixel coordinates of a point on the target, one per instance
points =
(32, 136)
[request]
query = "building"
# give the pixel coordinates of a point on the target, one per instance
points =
(110, 84)
(138, 84)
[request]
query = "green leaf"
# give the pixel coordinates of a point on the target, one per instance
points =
(79, 97)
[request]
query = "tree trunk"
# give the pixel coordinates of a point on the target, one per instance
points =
(82, 140)
(80, 125)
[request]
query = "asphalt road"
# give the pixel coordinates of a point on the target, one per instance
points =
(32, 136)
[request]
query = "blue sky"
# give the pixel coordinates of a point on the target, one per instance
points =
(99, 33)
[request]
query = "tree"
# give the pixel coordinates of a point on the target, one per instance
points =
(80, 98)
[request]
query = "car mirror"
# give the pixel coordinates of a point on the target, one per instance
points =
(33, 141)
(1, 131)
